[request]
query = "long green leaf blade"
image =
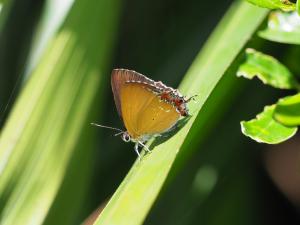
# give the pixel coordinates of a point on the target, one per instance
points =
(133, 199)
(53, 110)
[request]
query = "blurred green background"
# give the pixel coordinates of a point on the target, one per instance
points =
(245, 182)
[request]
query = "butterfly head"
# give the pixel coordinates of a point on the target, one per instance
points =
(126, 136)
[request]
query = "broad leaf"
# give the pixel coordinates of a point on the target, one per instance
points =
(287, 110)
(265, 129)
(267, 69)
(283, 28)
(274, 4)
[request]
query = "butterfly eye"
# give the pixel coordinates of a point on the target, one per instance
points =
(126, 137)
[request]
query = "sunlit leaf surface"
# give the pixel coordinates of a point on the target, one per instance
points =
(50, 119)
(287, 110)
(274, 4)
(269, 70)
(282, 27)
(265, 129)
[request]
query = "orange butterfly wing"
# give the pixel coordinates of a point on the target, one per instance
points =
(143, 112)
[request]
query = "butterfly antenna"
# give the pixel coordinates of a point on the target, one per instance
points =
(192, 98)
(112, 128)
(121, 132)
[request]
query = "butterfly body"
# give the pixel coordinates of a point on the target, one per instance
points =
(147, 108)
(175, 98)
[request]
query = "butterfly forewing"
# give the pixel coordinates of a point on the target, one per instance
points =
(119, 77)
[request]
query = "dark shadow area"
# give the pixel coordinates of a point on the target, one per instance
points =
(15, 43)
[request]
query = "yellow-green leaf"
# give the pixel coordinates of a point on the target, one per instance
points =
(282, 27)
(284, 5)
(287, 110)
(52, 112)
(265, 129)
(269, 70)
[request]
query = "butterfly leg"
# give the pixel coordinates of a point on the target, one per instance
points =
(146, 148)
(136, 149)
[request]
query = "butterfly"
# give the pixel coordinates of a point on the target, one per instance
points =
(147, 108)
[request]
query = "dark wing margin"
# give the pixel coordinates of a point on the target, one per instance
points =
(119, 77)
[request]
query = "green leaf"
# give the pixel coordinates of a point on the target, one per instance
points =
(135, 196)
(52, 19)
(298, 7)
(52, 114)
(283, 28)
(265, 129)
(269, 70)
(284, 5)
(287, 110)
(5, 9)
